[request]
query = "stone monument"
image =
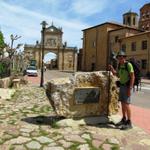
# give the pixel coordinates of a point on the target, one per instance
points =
(85, 94)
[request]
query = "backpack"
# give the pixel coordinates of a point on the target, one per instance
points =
(137, 71)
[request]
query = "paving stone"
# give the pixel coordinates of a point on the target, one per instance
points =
(74, 138)
(83, 147)
(97, 143)
(18, 147)
(113, 140)
(65, 144)
(19, 140)
(6, 137)
(45, 128)
(12, 131)
(33, 145)
(57, 137)
(4, 147)
(98, 137)
(53, 148)
(35, 133)
(25, 130)
(139, 147)
(107, 147)
(25, 134)
(1, 141)
(6, 93)
(145, 142)
(52, 144)
(86, 136)
(44, 140)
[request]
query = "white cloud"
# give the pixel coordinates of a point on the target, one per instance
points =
(24, 22)
(88, 7)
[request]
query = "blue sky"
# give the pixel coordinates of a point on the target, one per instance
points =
(23, 17)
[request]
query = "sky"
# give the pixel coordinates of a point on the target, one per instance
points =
(23, 17)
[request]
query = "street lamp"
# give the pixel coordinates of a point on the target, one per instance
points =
(64, 46)
(42, 63)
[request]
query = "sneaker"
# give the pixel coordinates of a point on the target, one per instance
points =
(122, 122)
(127, 125)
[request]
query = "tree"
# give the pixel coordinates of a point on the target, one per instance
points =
(10, 49)
(2, 43)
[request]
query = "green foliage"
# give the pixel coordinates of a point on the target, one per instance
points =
(1, 68)
(4, 67)
(2, 43)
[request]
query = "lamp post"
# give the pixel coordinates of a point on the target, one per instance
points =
(58, 46)
(64, 46)
(42, 48)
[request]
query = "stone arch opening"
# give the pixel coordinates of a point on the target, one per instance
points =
(51, 60)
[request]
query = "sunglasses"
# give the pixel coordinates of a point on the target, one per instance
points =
(121, 56)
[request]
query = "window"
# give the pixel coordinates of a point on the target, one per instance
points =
(147, 14)
(123, 47)
(93, 44)
(123, 20)
(133, 46)
(116, 39)
(143, 15)
(92, 66)
(144, 44)
(144, 63)
(134, 21)
(129, 21)
(143, 27)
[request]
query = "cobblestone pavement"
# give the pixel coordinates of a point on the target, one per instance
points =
(27, 122)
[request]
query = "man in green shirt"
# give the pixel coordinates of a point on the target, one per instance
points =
(126, 75)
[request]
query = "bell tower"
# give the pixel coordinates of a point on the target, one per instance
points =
(130, 19)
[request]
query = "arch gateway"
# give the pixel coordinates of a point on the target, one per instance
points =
(66, 56)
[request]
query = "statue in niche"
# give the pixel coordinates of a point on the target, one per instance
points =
(51, 42)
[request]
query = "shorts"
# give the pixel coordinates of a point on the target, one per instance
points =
(123, 97)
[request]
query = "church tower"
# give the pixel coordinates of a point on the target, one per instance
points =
(144, 22)
(130, 19)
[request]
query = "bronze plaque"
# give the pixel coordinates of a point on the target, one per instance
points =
(86, 95)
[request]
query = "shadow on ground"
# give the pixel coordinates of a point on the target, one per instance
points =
(51, 120)
(43, 120)
(108, 126)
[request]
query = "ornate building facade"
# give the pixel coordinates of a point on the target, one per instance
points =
(66, 56)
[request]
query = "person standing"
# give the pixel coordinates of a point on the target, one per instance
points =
(126, 83)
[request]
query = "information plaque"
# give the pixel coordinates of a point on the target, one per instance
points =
(87, 95)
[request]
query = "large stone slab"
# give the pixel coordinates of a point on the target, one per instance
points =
(85, 94)
(5, 82)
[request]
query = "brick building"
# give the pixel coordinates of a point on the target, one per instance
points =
(144, 22)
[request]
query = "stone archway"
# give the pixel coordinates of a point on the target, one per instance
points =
(50, 61)
(67, 56)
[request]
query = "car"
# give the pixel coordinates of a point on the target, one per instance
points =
(32, 71)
